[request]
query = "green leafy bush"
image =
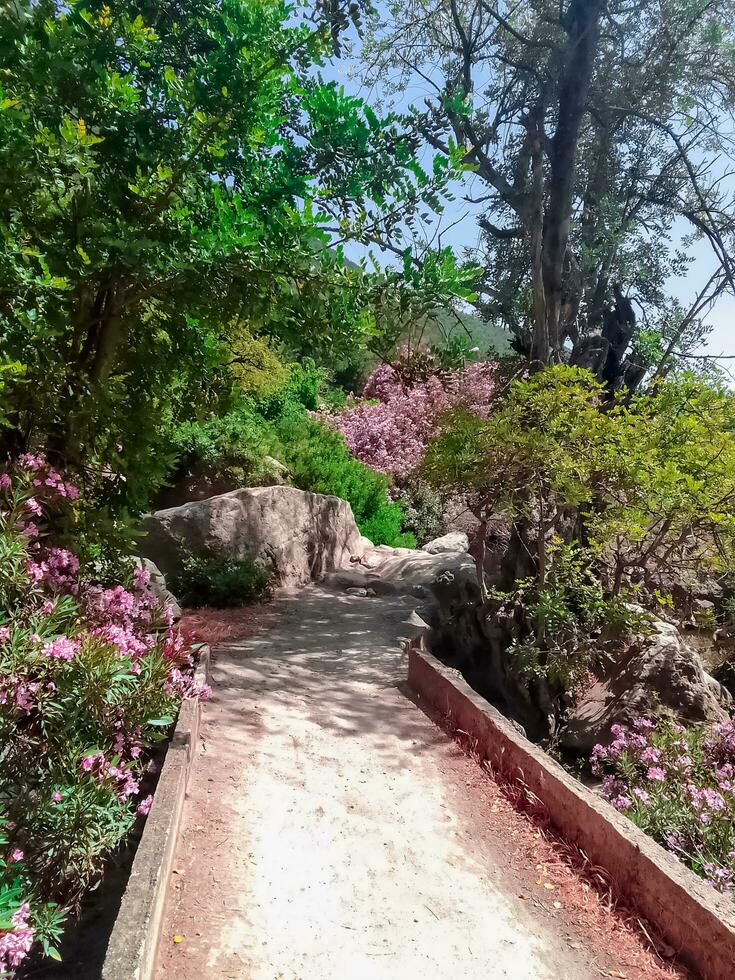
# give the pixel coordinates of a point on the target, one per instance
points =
(608, 500)
(220, 581)
(423, 508)
(301, 389)
(319, 461)
(229, 447)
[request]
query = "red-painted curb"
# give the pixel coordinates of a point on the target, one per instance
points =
(697, 921)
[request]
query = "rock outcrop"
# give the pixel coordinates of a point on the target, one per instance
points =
(301, 536)
(657, 672)
(661, 673)
(455, 542)
(402, 571)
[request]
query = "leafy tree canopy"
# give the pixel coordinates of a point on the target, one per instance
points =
(165, 173)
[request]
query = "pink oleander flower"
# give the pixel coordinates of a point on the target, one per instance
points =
(4, 634)
(15, 944)
(62, 648)
(25, 696)
(4, 481)
(125, 641)
(33, 506)
(144, 807)
(17, 855)
(56, 796)
(656, 774)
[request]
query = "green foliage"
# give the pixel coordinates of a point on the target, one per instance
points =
(165, 173)
(319, 461)
(424, 510)
(611, 502)
(651, 478)
(253, 364)
(220, 581)
(301, 389)
(565, 619)
(231, 446)
(8, 371)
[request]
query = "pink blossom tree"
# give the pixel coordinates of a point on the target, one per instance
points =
(390, 427)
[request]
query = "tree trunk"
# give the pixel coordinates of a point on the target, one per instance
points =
(582, 22)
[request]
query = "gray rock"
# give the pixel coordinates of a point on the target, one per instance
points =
(703, 606)
(413, 619)
(400, 571)
(300, 535)
(452, 543)
(357, 592)
(725, 638)
(158, 587)
(660, 674)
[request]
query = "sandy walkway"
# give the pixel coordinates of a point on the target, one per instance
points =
(332, 831)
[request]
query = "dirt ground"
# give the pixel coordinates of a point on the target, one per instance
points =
(333, 831)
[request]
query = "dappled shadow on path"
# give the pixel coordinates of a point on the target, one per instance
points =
(332, 660)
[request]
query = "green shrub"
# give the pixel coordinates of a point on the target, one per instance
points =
(220, 581)
(384, 527)
(320, 462)
(301, 390)
(423, 509)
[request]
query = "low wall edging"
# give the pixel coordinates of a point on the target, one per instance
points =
(697, 921)
(131, 952)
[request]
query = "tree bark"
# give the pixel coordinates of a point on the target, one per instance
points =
(582, 22)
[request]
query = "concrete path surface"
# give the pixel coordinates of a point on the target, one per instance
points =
(333, 831)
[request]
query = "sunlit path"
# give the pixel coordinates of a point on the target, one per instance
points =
(332, 831)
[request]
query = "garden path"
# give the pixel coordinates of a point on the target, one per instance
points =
(333, 831)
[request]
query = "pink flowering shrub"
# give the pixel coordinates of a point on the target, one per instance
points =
(390, 428)
(678, 785)
(90, 678)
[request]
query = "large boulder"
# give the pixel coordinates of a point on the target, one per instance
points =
(401, 571)
(455, 542)
(660, 674)
(300, 535)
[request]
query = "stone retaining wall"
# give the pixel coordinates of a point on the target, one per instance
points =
(697, 921)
